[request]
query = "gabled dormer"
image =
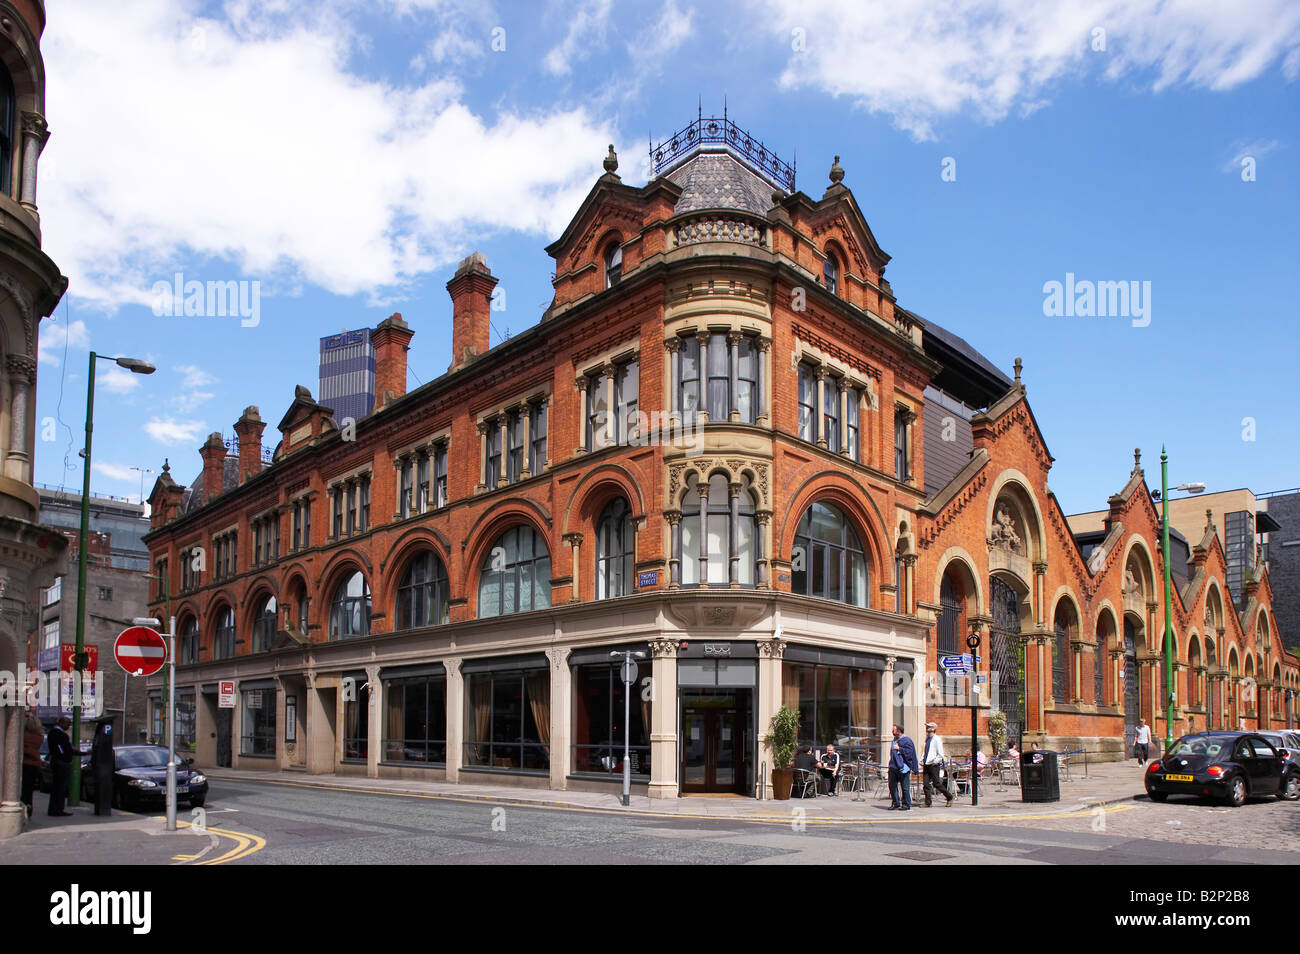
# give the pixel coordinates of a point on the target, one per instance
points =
(304, 423)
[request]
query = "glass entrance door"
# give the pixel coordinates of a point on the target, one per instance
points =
(716, 739)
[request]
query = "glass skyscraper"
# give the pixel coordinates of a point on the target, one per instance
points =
(347, 374)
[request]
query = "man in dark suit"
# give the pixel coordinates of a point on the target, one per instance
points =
(804, 759)
(60, 764)
(902, 766)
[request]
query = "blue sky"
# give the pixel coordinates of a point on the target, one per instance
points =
(346, 155)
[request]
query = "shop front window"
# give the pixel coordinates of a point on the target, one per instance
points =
(356, 721)
(508, 719)
(836, 704)
(259, 722)
(598, 725)
(415, 722)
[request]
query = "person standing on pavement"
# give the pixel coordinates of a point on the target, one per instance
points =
(61, 764)
(932, 762)
(902, 765)
(1142, 742)
(33, 736)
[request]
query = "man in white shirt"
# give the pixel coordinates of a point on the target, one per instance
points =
(932, 760)
(1142, 742)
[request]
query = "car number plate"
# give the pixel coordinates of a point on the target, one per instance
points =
(182, 789)
(1179, 778)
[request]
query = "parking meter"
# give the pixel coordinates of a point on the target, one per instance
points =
(101, 760)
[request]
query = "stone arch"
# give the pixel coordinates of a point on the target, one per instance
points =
(595, 489)
(1214, 605)
(490, 526)
(839, 490)
(1106, 636)
(1011, 489)
(733, 467)
(407, 547)
(1138, 562)
(1195, 660)
(958, 558)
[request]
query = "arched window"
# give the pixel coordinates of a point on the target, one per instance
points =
(265, 623)
(189, 648)
(8, 117)
(615, 550)
(831, 274)
(422, 594)
(613, 265)
(718, 540)
(828, 559)
(1061, 654)
(223, 639)
(516, 574)
(350, 608)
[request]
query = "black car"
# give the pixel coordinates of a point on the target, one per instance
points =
(1232, 766)
(140, 778)
(1286, 743)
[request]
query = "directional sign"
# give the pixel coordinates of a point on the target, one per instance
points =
(954, 663)
(140, 651)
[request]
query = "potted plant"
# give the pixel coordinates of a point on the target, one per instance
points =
(782, 740)
(998, 732)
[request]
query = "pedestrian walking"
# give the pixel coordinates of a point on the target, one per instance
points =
(902, 765)
(33, 736)
(61, 764)
(932, 759)
(1142, 742)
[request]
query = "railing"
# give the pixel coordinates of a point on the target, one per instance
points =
(719, 227)
(725, 132)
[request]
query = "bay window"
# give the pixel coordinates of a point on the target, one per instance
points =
(717, 533)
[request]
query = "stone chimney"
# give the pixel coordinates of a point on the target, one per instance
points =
(249, 428)
(471, 301)
(391, 341)
(214, 462)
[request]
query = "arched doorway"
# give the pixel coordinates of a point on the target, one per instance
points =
(1132, 699)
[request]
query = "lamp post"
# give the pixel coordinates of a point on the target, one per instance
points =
(143, 471)
(1163, 497)
(83, 541)
(629, 673)
(169, 674)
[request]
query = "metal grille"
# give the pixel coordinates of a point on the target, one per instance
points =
(1130, 681)
(1004, 656)
(721, 130)
(1059, 650)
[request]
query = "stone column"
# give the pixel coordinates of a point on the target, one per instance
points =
(482, 428)
(770, 654)
(761, 413)
(886, 708)
(455, 718)
(909, 576)
(1044, 681)
(844, 448)
(822, 377)
(674, 348)
(733, 386)
(674, 518)
(763, 520)
(1116, 683)
(35, 133)
(702, 491)
(502, 423)
(611, 412)
(574, 540)
(663, 719)
(561, 715)
(526, 412)
(1040, 585)
(580, 382)
(13, 815)
(733, 537)
(374, 722)
(22, 372)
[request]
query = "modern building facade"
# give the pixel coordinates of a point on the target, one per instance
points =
(724, 447)
(347, 374)
(30, 287)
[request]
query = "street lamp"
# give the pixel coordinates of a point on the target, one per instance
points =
(135, 366)
(629, 673)
(143, 471)
(1162, 495)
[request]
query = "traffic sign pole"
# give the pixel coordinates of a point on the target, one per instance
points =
(171, 724)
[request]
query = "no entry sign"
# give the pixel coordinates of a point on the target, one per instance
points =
(140, 651)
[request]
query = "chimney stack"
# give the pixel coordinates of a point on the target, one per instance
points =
(391, 340)
(249, 428)
(471, 302)
(214, 462)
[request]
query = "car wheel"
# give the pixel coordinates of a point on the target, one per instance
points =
(197, 802)
(1158, 796)
(1237, 792)
(1290, 787)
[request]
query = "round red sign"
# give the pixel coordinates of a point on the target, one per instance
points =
(140, 651)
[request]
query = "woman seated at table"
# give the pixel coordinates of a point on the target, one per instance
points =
(981, 760)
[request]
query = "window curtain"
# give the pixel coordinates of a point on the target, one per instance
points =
(396, 698)
(482, 695)
(645, 716)
(862, 705)
(539, 700)
(789, 686)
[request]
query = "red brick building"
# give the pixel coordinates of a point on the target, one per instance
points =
(725, 446)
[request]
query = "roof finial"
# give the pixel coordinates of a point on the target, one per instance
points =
(611, 161)
(1137, 458)
(1209, 518)
(167, 467)
(1018, 365)
(837, 173)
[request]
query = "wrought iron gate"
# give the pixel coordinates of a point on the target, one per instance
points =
(1131, 686)
(1005, 657)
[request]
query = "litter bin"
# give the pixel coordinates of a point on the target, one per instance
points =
(1039, 781)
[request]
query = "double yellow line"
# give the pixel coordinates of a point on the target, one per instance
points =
(245, 845)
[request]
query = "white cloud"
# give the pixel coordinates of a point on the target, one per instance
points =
(114, 471)
(55, 336)
(194, 376)
(117, 381)
(1249, 150)
(169, 430)
(587, 26)
(248, 141)
(920, 63)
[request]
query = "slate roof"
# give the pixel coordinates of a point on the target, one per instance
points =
(192, 498)
(717, 180)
